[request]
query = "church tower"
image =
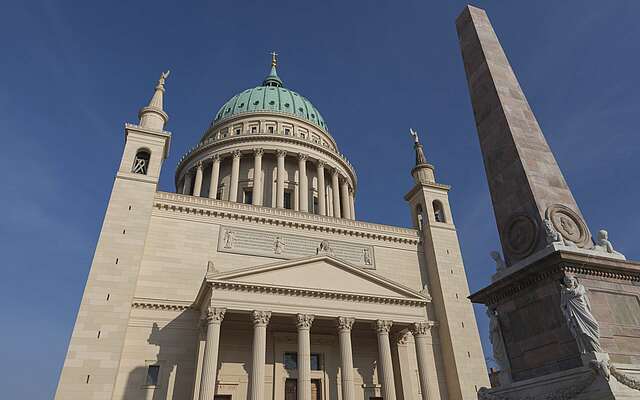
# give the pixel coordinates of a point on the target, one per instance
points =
(94, 353)
(457, 330)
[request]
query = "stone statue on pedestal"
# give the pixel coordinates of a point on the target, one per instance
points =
(603, 244)
(577, 312)
(497, 341)
(497, 257)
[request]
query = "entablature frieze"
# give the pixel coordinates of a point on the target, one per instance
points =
(554, 265)
(204, 207)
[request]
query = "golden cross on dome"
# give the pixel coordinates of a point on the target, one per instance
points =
(274, 58)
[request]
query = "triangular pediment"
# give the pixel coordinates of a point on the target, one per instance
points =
(320, 273)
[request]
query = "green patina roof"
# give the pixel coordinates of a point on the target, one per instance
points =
(271, 96)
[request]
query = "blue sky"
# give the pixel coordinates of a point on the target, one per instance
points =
(74, 72)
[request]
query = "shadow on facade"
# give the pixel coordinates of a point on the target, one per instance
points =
(177, 347)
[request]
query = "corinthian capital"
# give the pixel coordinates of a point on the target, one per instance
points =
(421, 328)
(237, 154)
(383, 326)
(215, 315)
(260, 317)
(281, 153)
(345, 323)
(302, 157)
(304, 321)
(215, 157)
(258, 152)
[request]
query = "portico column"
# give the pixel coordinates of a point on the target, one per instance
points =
(257, 177)
(322, 203)
(235, 175)
(352, 204)
(187, 183)
(304, 356)
(215, 177)
(260, 320)
(210, 362)
(280, 179)
(197, 187)
(346, 368)
(384, 355)
(421, 333)
(336, 193)
(344, 191)
(303, 186)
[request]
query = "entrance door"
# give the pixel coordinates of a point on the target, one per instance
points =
(316, 389)
(291, 389)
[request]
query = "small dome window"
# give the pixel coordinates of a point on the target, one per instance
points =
(313, 116)
(300, 109)
(272, 102)
(286, 105)
(227, 112)
(255, 103)
(241, 105)
(141, 162)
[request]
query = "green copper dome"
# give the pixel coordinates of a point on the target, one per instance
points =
(271, 97)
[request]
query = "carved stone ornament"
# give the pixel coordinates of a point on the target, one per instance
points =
(229, 237)
(278, 245)
(521, 235)
(550, 233)
(569, 224)
(304, 321)
(383, 326)
(260, 317)
(403, 338)
(345, 323)
(215, 315)
(324, 248)
(421, 328)
(366, 255)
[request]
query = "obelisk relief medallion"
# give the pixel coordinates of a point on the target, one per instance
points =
(522, 234)
(569, 224)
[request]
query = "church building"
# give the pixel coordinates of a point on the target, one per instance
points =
(255, 280)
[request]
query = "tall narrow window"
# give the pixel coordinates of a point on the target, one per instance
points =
(438, 211)
(316, 207)
(247, 196)
(419, 216)
(153, 373)
(288, 204)
(141, 162)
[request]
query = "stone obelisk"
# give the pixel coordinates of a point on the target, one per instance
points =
(544, 350)
(525, 181)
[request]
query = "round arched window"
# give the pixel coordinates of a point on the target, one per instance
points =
(141, 162)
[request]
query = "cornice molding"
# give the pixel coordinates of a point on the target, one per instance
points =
(205, 207)
(556, 263)
(321, 294)
(161, 305)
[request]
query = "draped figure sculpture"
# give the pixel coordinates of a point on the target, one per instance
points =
(577, 312)
(497, 341)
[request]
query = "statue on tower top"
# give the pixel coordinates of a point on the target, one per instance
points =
(163, 77)
(415, 135)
